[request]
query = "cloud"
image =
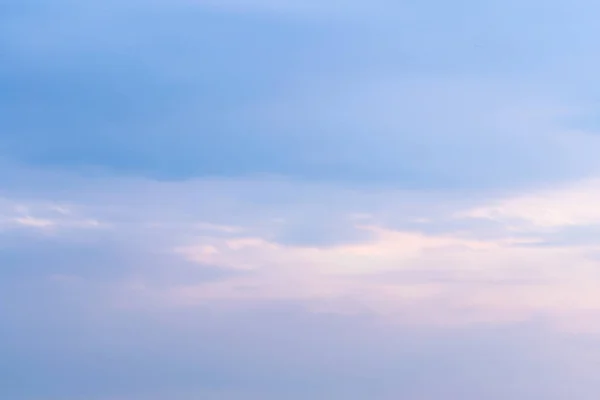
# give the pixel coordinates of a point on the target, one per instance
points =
(47, 217)
(568, 205)
(251, 199)
(459, 276)
(414, 257)
(175, 90)
(246, 312)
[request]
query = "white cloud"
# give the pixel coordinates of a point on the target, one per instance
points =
(457, 280)
(427, 272)
(43, 216)
(34, 222)
(573, 204)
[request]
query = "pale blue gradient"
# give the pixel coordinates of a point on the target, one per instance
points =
(285, 199)
(382, 92)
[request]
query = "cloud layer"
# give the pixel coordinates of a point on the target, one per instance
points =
(255, 199)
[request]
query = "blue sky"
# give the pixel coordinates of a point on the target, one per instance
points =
(267, 199)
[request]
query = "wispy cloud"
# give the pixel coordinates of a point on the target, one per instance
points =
(390, 266)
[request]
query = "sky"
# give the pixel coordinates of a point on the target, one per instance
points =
(285, 199)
